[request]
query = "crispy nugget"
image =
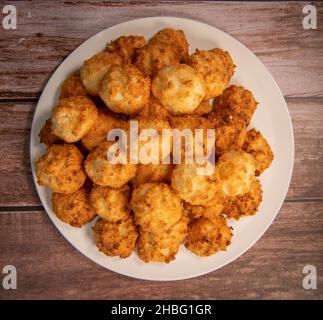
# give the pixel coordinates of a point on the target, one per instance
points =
(105, 122)
(216, 67)
(61, 168)
(104, 172)
(125, 89)
(235, 171)
(95, 68)
(126, 46)
(235, 100)
(179, 88)
(116, 238)
(163, 246)
(74, 208)
(156, 207)
(194, 187)
(245, 204)
(206, 237)
(259, 148)
(73, 117)
(109, 203)
(46, 134)
(71, 87)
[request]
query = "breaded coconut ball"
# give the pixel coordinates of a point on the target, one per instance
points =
(163, 246)
(211, 212)
(194, 187)
(105, 122)
(236, 171)
(245, 204)
(126, 46)
(238, 101)
(109, 203)
(95, 68)
(125, 89)
(74, 208)
(116, 239)
(152, 173)
(72, 87)
(216, 67)
(61, 168)
(156, 207)
(179, 88)
(46, 134)
(208, 236)
(73, 117)
(259, 148)
(104, 173)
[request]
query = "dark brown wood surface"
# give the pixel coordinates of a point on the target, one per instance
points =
(48, 266)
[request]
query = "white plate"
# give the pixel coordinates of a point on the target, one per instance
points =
(271, 118)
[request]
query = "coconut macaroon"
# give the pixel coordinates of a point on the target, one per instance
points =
(207, 236)
(156, 207)
(104, 172)
(216, 67)
(116, 239)
(195, 186)
(46, 134)
(244, 204)
(61, 168)
(163, 246)
(126, 46)
(73, 117)
(259, 148)
(236, 101)
(74, 208)
(125, 89)
(235, 171)
(72, 86)
(95, 68)
(105, 122)
(109, 203)
(152, 173)
(179, 88)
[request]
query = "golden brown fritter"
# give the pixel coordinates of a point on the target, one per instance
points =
(109, 203)
(73, 117)
(105, 122)
(162, 246)
(103, 172)
(235, 100)
(211, 212)
(61, 168)
(72, 87)
(216, 67)
(179, 88)
(259, 148)
(74, 208)
(95, 68)
(245, 204)
(152, 173)
(46, 134)
(206, 237)
(126, 46)
(156, 207)
(116, 238)
(125, 89)
(235, 171)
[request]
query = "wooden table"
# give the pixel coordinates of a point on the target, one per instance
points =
(48, 266)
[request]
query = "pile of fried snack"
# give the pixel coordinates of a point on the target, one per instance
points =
(153, 208)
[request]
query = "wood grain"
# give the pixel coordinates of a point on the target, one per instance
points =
(49, 267)
(48, 31)
(17, 187)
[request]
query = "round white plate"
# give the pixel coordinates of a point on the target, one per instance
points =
(271, 118)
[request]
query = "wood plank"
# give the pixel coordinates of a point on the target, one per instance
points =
(50, 268)
(17, 187)
(48, 31)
